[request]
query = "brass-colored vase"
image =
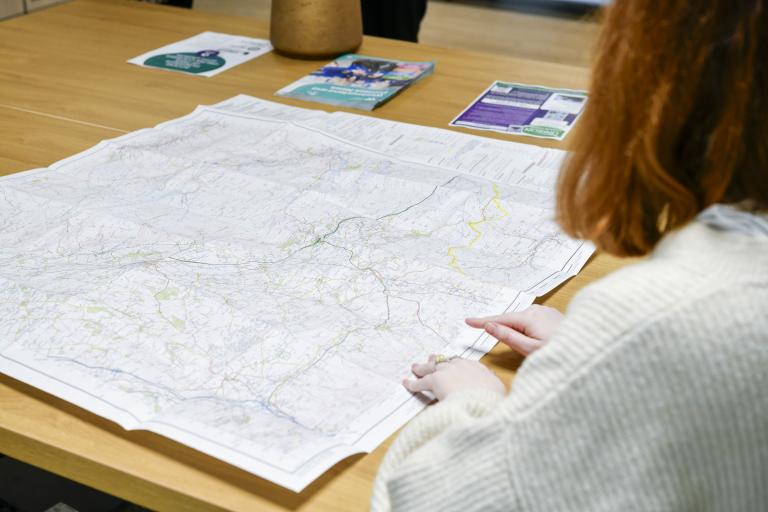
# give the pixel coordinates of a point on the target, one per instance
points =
(316, 29)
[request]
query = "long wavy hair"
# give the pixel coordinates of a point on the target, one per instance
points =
(677, 120)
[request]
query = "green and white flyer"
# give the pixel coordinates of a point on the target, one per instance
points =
(206, 54)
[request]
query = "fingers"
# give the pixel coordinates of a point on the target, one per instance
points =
(432, 365)
(516, 320)
(514, 339)
(420, 370)
(452, 376)
(479, 322)
(423, 384)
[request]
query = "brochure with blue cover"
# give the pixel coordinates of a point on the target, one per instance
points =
(357, 81)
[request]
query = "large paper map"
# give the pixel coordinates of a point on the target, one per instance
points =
(254, 280)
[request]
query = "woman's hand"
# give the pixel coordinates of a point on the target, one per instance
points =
(442, 378)
(524, 331)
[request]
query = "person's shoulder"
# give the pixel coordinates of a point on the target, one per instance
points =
(721, 334)
(690, 296)
(694, 274)
(691, 263)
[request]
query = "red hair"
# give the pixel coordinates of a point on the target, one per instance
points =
(677, 120)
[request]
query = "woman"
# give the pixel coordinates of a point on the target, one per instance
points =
(652, 392)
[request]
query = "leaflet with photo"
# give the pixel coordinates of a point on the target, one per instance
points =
(357, 81)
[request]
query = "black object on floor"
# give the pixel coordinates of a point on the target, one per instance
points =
(25, 488)
(554, 8)
(176, 3)
(395, 19)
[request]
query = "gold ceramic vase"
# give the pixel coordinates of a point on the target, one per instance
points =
(316, 29)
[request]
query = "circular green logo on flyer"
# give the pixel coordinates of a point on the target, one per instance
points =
(198, 62)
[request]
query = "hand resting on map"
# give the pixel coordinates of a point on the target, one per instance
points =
(442, 378)
(524, 332)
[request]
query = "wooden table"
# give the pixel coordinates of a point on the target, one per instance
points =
(64, 86)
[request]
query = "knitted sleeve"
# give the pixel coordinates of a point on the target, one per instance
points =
(669, 414)
(448, 450)
(651, 396)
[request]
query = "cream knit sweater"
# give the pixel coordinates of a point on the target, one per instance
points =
(652, 396)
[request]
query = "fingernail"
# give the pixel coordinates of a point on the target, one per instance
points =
(490, 326)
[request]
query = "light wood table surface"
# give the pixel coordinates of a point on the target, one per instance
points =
(64, 86)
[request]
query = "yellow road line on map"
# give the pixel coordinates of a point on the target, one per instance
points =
(497, 203)
(473, 225)
(454, 263)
